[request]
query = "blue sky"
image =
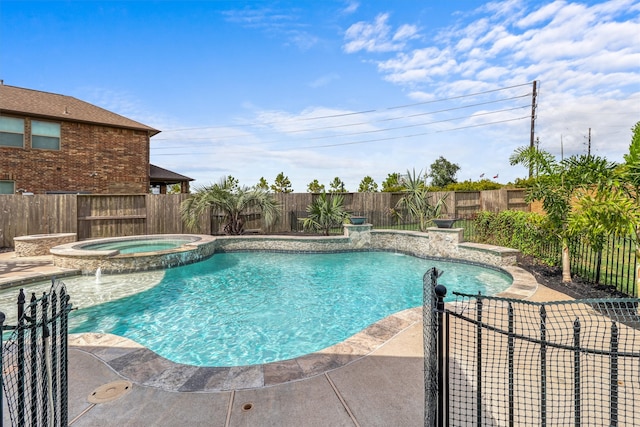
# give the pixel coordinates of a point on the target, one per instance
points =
(324, 89)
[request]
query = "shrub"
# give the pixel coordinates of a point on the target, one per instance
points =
(529, 232)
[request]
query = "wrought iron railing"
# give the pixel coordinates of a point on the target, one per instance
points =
(34, 360)
(511, 362)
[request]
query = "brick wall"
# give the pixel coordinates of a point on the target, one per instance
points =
(92, 158)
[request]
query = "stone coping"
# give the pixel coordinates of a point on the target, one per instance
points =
(40, 244)
(49, 236)
(111, 261)
(143, 366)
(488, 248)
(76, 249)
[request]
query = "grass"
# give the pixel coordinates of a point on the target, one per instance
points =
(616, 264)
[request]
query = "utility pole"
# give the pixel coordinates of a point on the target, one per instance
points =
(589, 143)
(534, 104)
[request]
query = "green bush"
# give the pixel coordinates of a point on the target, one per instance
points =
(482, 185)
(528, 232)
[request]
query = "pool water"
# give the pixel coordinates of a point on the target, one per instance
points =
(248, 308)
(136, 246)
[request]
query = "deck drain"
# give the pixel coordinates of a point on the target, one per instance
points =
(110, 391)
(247, 406)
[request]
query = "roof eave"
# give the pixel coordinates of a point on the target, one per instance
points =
(150, 130)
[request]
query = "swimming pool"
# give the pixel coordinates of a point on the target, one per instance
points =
(245, 308)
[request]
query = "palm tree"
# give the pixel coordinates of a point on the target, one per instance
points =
(233, 201)
(417, 201)
(558, 185)
(325, 213)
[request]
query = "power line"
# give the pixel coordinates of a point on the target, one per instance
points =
(370, 140)
(350, 113)
(227, 137)
(360, 123)
(460, 96)
(375, 130)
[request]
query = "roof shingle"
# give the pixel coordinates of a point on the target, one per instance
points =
(31, 102)
(156, 173)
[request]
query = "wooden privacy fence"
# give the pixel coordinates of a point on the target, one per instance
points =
(93, 216)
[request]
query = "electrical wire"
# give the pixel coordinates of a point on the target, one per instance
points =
(218, 141)
(362, 123)
(333, 116)
(366, 141)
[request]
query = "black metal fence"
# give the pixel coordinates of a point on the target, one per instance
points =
(510, 362)
(34, 360)
(614, 265)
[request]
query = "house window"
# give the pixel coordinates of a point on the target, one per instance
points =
(7, 187)
(11, 132)
(45, 135)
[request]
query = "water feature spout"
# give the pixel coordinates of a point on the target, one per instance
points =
(98, 274)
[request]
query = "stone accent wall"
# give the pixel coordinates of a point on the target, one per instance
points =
(92, 158)
(40, 244)
(443, 243)
(72, 256)
(436, 242)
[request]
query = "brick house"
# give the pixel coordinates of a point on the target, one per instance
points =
(52, 143)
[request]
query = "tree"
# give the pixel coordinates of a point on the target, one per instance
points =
(337, 186)
(282, 184)
(325, 213)
(393, 183)
(558, 185)
(232, 183)
(315, 187)
(367, 185)
(614, 209)
(442, 172)
(417, 200)
(234, 201)
(262, 184)
(174, 189)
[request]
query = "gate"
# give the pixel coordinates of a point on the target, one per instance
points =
(34, 360)
(493, 361)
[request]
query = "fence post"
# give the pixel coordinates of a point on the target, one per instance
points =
(576, 372)
(599, 266)
(44, 366)
(613, 377)
(64, 358)
(33, 326)
(543, 366)
(55, 389)
(21, 357)
(2, 318)
(479, 361)
(511, 350)
(441, 292)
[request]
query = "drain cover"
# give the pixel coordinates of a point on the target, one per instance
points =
(110, 391)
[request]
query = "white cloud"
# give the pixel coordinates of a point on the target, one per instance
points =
(585, 58)
(378, 36)
(351, 7)
(324, 80)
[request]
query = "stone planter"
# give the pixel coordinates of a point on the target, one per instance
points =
(444, 223)
(358, 220)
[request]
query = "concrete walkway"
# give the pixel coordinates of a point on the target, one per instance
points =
(382, 388)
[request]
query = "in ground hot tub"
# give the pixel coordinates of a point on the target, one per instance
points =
(134, 253)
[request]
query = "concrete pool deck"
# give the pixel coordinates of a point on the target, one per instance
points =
(381, 387)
